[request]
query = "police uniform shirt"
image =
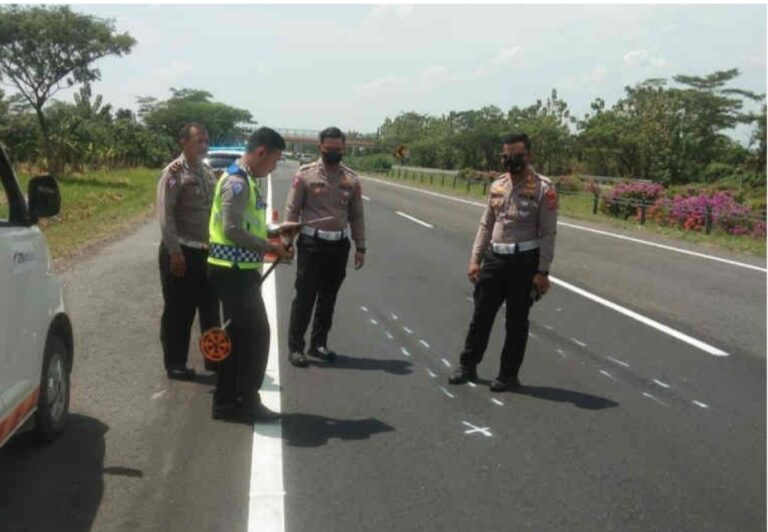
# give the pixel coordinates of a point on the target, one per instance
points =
(235, 195)
(184, 200)
(519, 210)
(316, 193)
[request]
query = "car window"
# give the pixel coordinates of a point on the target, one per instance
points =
(3, 203)
(221, 161)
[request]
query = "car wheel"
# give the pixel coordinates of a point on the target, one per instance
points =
(53, 400)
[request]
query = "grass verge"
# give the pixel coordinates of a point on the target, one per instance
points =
(96, 205)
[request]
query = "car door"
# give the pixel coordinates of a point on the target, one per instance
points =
(23, 265)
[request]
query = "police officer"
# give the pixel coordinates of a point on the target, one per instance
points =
(510, 262)
(323, 189)
(238, 241)
(184, 196)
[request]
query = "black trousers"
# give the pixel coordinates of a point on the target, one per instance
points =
(183, 296)
(241, 374)
(320, 269)
(502, 278)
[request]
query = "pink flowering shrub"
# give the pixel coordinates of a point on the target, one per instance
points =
(690, 213)
(624, 198)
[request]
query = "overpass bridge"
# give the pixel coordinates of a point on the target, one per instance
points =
(310, 137)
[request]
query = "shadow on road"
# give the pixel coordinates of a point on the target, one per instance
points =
(389, 365)
(578, 399)
(57, 486)
(308, 430)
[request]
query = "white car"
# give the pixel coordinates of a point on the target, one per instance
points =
(221, 158)
(36, 345)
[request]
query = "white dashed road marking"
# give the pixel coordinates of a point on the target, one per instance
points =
(404, 351)
(700, 404)
(662, 384)
(446, 392)
(411, 218)
(617, 361)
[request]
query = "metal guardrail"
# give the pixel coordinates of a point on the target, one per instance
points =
(450, 179)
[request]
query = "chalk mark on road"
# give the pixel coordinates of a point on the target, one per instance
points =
(485, 431)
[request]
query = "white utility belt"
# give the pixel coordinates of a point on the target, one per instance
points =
(331, 236)
(514, 247)
(194, 244)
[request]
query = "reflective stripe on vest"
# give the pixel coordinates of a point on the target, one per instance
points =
(224, 252)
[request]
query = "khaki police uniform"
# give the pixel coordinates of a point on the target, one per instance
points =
(184, 203)
(322, 247)
(515, 240)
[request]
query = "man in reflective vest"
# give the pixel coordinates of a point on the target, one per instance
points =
(238, 241)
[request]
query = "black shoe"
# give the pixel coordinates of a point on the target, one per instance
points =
(298, 359)
(260, 414)
(323, 353)
(505, 385)
(211, 366)
(224, 411)
(463, 375)
(181, 374)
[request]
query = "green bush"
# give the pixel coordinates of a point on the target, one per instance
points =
(375, 162)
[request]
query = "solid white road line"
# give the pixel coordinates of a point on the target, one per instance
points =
(411, 218)
(642, 319)
(266, 511)
(589, 229)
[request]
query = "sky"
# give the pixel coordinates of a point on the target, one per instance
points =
(310, 66)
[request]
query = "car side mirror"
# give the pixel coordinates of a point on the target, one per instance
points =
(44, 197)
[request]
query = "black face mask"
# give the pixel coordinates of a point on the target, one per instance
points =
(332, 157)
(515, 164)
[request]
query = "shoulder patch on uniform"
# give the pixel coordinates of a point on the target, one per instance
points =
(551, 196)
(171, 182)
(237, 188)
(499, 186)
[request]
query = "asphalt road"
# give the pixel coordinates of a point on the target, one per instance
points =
(620, 426)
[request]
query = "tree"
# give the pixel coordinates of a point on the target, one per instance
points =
(225, 123)
(45, 49)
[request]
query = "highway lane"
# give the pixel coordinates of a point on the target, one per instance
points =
(609, 433)
(621, 427)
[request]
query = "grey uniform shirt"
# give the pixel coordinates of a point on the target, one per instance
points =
(519, 211)
(235, 195)
(184, 200)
